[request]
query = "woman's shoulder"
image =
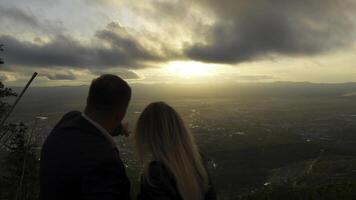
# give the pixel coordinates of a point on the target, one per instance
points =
(158, 182)
(159, 173)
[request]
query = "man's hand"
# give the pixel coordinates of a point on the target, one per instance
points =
(125, 129)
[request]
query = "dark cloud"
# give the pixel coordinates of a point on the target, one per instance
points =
(1, 49)
(125, 46)
(17, 15)
(110, 48)
(60, 76)
(17, 19)
(248, 30)
(125, 74)
(61, 51)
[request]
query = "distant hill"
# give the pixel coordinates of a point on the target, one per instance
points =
(241, 90)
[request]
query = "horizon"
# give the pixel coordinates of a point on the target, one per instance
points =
(238, 91)
(135, 83)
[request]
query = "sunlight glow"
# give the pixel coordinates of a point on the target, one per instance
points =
(189, 69)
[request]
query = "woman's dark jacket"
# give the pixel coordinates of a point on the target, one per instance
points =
(163, 186)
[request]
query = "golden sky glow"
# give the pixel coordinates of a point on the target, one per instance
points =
(189, 69)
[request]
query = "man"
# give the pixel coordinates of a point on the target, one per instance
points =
(79, 159)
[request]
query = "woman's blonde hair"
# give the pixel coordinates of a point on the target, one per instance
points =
(162, 134)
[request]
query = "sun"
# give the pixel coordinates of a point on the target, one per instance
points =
(189, 69)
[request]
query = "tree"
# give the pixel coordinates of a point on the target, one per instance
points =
(5, 92)
(19, 165)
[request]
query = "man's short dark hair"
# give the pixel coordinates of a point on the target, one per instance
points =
(108, 92)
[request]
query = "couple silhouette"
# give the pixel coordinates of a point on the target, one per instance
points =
(80, 159)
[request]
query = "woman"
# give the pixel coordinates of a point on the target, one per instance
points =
(174, 168)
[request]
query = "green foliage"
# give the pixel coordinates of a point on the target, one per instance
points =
(21, 166)
(4, 92)
(18, 159)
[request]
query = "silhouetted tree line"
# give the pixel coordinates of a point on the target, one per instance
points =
(19, 164)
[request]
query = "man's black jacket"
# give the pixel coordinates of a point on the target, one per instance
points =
(78, 162)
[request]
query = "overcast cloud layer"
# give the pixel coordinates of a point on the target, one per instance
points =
(109, 48)
(247, 30)
(102, 35)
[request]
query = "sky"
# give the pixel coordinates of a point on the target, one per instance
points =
(70, 42)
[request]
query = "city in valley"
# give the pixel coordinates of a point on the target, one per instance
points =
(254, 135)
